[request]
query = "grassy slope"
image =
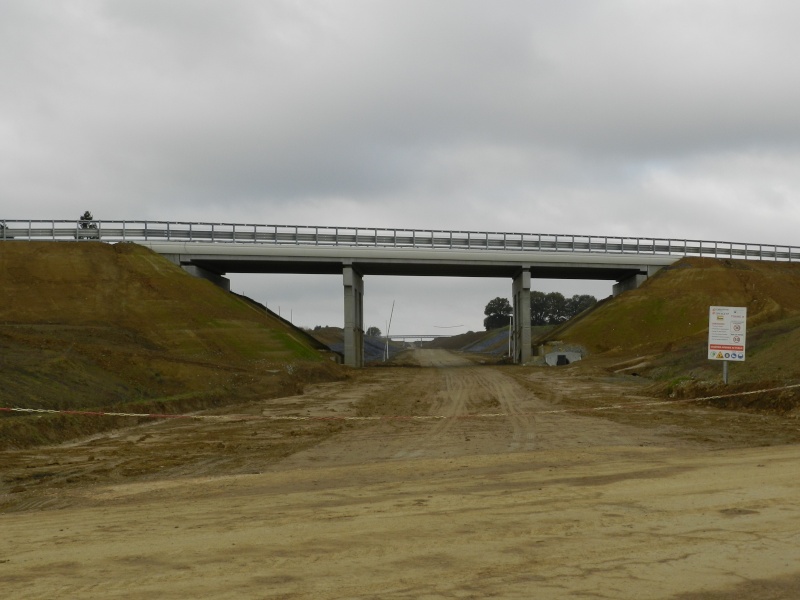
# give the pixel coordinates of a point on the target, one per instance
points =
(668, 317)
(90, 325)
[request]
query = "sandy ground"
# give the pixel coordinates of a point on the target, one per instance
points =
(540, 497)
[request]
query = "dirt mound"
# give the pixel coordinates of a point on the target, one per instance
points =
(91, 325)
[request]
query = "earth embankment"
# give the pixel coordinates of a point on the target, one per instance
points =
(86, 325)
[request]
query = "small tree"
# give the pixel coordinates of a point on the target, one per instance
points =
(553, 308)
(579, 303)
(498, 313)
(374, 332)
(539, 308)
(556, 308)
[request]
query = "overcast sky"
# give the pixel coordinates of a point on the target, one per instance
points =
(645, 118)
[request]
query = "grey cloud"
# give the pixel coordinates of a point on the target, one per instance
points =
(460, 113)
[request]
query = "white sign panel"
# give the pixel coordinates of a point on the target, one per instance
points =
(727, 326)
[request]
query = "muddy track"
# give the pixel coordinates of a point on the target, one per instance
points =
(519, 489)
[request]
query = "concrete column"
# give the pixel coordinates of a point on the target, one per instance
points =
(353, 317)
(521, 291)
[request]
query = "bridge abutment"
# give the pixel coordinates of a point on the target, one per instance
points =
(214, 278)
(353, 317)
(200, 272)
(521, 292)
(634, 281)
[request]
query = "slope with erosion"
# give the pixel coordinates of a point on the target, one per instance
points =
(98, 326)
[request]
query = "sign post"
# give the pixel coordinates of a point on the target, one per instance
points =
(727, 329)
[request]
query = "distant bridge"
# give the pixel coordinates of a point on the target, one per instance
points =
(211, 250)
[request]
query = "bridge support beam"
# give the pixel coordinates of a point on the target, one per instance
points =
(521, 291)
(353, 317)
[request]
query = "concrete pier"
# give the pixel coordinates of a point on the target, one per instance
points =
(353, 317)
(521, 293)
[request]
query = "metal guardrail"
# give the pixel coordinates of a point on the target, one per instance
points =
(415, 337)
(170, 231)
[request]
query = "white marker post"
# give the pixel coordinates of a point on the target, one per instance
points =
(727, 328)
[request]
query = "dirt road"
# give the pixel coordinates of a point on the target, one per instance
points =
(462, 481)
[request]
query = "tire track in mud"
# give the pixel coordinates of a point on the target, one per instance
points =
(447, 386)
(463, 389)
(517, 403)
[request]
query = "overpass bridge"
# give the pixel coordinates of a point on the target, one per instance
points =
(211, 250)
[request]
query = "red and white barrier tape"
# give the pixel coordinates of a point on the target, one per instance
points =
(391, 418)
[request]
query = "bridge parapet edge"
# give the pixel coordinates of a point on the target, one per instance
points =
(358, 237)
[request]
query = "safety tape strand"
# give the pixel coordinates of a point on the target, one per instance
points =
(240, 417)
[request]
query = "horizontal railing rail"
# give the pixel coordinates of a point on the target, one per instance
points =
(361, 237)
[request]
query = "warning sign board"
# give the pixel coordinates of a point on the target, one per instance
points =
(727, 326)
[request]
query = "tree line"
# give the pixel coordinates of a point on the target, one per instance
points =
(546, 309)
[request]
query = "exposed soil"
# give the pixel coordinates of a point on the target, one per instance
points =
(527, 485)
(92, 326)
